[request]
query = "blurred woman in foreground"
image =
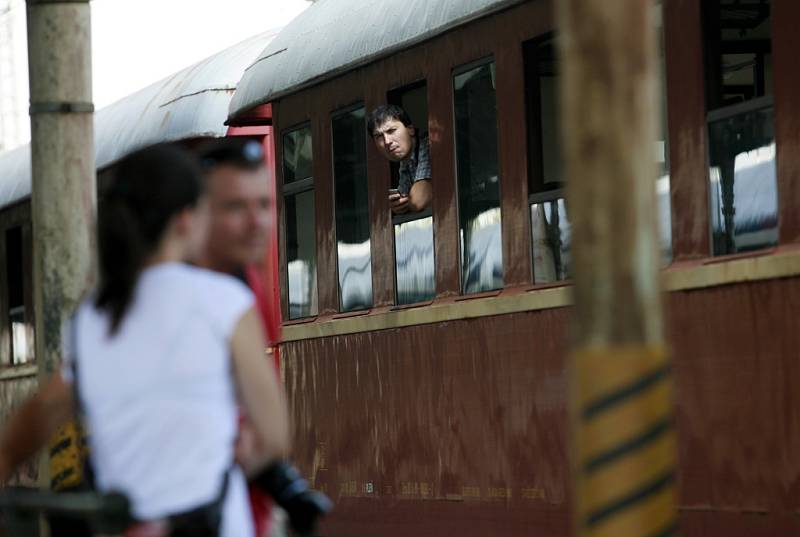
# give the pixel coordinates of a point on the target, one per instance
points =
(157, 357)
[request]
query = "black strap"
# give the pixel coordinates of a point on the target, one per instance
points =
(80, 409)
(203, 521)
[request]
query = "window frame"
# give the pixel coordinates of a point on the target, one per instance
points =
(333, 115)
(293, 189)
(485, 60)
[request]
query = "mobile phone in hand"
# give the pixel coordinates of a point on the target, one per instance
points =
(393, 191)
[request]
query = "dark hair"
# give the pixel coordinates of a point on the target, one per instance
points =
(146, 190)
(384, 113)
(239, 151)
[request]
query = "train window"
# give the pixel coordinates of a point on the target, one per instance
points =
(743, 190)
(415, 277)
(18, 322)
(478, 182)
(352, 209)
(299, 210)
(550, 227)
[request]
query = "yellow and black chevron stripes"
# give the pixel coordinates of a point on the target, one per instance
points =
(68, 451)
(625, 445)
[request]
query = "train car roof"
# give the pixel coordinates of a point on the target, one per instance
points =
(334, 36)
(191, 103)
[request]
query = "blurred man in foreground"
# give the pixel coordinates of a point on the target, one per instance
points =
(241, 222)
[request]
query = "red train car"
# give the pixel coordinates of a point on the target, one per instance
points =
(424, 355)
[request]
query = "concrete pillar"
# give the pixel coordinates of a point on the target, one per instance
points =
(62, 152)
(623, 438)
(63, 198)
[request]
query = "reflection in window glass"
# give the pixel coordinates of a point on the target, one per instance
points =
(299, 211)
(551, 233)
(301, 254)
(744, 204)
(297, 155)
(352, 210)
(478, 181)
(416, 280)
(663, 201)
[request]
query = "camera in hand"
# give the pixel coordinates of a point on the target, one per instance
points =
(304, 506)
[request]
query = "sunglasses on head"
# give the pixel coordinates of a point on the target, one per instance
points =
(249, 153)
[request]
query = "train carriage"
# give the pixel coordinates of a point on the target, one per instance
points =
(424, 355)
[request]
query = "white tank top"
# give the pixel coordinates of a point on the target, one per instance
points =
(159, 396)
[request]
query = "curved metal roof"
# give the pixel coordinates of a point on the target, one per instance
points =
(191, 103)
(333, 36)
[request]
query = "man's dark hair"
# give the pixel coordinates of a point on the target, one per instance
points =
(239, 151)
(384, 113)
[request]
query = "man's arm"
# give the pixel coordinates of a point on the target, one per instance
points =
(420, 196)
(30, 427)
(417, 200)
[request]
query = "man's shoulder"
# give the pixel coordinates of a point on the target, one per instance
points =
(193, 278)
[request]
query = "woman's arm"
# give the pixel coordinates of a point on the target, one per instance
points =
(260, 392)
(33, 424)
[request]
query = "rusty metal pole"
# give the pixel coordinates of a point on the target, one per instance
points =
(62, 150)
(624, 446)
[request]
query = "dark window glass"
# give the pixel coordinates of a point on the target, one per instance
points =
(21, 340)
(297, 157)
(478, 181)
(413, 232)
(743, 192)
(299, 214)
(738, 51)
(352, 210)
(545, 165)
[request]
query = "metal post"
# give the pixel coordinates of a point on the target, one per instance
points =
(621, 392)
(63, 195)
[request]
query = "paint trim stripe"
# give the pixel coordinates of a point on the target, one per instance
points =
(626, 392)
(650, 489)
(625, 448)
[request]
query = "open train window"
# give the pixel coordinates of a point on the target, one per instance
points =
(349, 135)
(415, 278)
(478, 180)
(299, 214)
(550, 226)
(741, 139)
(18, 320)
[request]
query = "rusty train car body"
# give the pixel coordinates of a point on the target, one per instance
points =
(424, 356)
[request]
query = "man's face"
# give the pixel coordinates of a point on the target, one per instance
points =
(394, 140)
(239, 217)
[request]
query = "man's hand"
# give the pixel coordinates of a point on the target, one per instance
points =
(398, 203)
